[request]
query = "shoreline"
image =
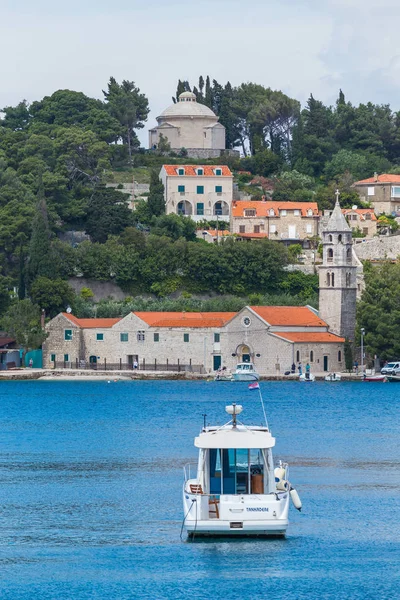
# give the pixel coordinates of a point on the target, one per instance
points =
(100, 375)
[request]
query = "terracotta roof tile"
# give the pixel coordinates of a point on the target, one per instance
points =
(185, 319)
(298, 336)
(253, 235)
(295, 316)
(262, 208)
(91, 323)
(190, 170)
(362, 212)
(384, 178)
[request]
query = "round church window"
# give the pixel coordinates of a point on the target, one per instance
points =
(246, 321)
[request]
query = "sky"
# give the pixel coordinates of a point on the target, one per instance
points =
(297, 46)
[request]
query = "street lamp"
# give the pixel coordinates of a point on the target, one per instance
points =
(362, 350)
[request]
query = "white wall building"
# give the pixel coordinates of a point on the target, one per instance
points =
(190, 125)
(198, 191)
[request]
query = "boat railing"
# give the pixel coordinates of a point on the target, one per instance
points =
(187, 472)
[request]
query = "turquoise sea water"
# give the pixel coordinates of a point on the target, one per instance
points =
(90, 492)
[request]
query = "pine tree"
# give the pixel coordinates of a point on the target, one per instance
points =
(41, 260)
(208, 99)
(155, 201)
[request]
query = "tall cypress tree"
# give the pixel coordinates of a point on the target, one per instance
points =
(155, 201)
(41, 260)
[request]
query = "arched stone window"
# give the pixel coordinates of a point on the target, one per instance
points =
(339, 237)
(330, 254)
(333, 279)
(330, 238)
(298, 356)
(339, 356)
(348, 254)
(328, 279)
(311, 355)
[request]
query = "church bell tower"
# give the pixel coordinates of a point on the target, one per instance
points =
(337, 276)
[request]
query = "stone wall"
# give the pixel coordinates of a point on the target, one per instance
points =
(379, 248)
(210, 153)
(100, 289)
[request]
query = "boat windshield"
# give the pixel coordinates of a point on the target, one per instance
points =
(246, 367)
(236, 471)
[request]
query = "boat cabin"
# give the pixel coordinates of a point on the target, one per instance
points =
(245, 367)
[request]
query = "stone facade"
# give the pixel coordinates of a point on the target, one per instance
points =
(199, 191)
(338, 277)
(189, 124)
(271, 337)
(382, 192)
(281, 221)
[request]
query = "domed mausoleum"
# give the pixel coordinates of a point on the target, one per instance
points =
(190, 125)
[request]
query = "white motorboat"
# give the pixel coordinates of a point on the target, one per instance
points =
(333, 377)
(236, 490)
(307, 377)
(223, 375)
(245, 372)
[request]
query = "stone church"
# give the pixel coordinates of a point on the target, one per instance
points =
(190, 125)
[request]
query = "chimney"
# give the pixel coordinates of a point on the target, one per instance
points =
(376, 176)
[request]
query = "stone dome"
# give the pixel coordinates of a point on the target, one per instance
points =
(187, 106)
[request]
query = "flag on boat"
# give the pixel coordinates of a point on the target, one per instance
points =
(254, 386)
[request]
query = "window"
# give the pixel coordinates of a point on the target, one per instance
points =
(311, 356)
(66, 357)
(296, 213)
(283, 213)
(218, 208)
(348, 254)
(124, 337)
(216, 338)
(218, 171)
(298, 356)
(333, 279)
(256, 229)
(272, 228)
(339, 237)
(200, 208)
(185, 337)
(140, 336)
(181, 171)
(271, 212)
(242, 228)
(53, 358)
(156, 337)
(365, 230)
(339, 356)
(330, 238)
(218, 189)
(354, 217)
(368, 216)
(200, 189)
(181, 189)
(309, 228)
(310, 212)
(250, 212)
(200, 172)
(371, 191)
(328, 279)
(99, 337)
(330, 255)
(68, 335)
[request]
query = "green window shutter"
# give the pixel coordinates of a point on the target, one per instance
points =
(53, 358)
(181, 188)
(124, 337)
(200, 208)
(218, 172)
(156, 337)
(216, 338)
(200, 172)
(200, 189)
(100, 337)
(218, 189)
(68, 334)
(181, 171)
(66, 357)
(185, 337)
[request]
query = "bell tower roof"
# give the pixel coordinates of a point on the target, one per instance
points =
(337, 220)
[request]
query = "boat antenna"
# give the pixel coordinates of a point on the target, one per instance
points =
(204, 415)
(262, 405)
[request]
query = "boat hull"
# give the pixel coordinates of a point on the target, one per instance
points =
(246, 377)
(393, 378)
(375, 378)
(217, 527)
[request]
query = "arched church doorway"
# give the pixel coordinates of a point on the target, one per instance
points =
(244, 353)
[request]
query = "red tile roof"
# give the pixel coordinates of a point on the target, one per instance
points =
(190, 170)
(253, 235)
(362, 212)
(297, 336)
(185, 319)
(384, 178)
(263, 207)
(295, 316)
(4, 341)
(91, 323)
(213, 232)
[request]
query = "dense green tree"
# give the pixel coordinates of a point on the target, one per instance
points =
(348, 356)
(107, 214)
(174, 226)
(155, 200)
(17, 117)
(22, 322)
(52, 295)
(41, 259)
(130, 107)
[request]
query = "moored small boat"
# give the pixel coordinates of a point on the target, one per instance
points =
(375, 378)
(393, 378)
(246, 372)
(333, 377)
(223, 375)
(307, 377)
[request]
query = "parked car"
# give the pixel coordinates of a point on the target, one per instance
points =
(392, 368)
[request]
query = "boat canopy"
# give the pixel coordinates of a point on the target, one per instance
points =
(235, 437)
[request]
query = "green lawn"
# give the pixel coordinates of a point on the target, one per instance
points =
(125, 175)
